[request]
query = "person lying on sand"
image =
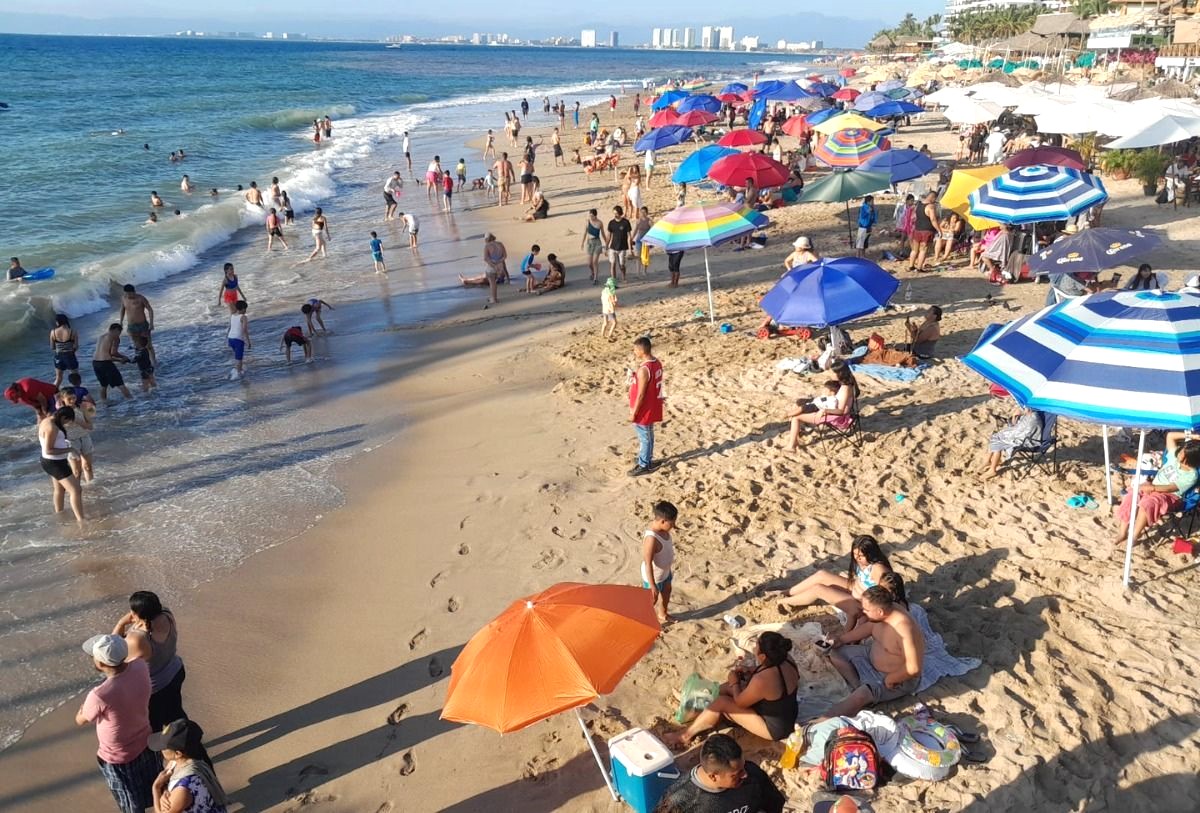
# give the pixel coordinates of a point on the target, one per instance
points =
(1162, 495)
(759, 698)
(878, 353)
(889, 665)
(481, 281)
(867, 565)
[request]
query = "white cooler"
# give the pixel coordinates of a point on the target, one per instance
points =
(642, 768)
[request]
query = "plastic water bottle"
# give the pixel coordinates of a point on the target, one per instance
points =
(791, 751)
(908, 292)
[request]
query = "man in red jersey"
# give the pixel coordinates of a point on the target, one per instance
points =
(645, 403)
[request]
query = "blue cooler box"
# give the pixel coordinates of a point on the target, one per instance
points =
(642, 768)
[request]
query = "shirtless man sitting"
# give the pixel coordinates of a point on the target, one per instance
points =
(886, 668)
(140, 318)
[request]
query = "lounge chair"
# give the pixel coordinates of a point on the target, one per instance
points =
(1042, 454)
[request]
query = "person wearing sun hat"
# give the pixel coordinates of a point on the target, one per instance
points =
(119, 708)
(189, 783)
(802, 254)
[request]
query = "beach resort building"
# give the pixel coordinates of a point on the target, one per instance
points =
(956, 7)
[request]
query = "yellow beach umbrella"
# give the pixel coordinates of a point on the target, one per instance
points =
(962, 183)
(847, 121)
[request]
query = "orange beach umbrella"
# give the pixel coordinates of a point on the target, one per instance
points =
(548, 653)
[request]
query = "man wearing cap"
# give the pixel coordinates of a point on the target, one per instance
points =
(119, 708)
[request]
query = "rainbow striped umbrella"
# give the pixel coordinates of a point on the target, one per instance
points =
(703, 226)
(849, 148)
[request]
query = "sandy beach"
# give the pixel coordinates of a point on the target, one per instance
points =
(318, 668)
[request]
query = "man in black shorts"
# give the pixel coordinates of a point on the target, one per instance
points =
(619, 229)
(391, 191)
(104, 362)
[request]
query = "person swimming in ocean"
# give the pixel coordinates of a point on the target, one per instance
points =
(253, 196)
(155, 200)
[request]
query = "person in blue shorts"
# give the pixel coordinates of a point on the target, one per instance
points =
(377, 254)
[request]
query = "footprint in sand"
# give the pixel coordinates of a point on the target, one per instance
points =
(435, 668)
(437, 577)
(386, 807)
(408, 763)
(464, 549)
(550, 559)
(453, 605)
(416, 640)
(397, 714)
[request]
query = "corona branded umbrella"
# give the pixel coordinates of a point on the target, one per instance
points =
(1094, 249)
(742, 138)
(846, 121)
(548, 653)
(697, 226)
(1037, 194)
(765, 171)
(849, 148)
(962, 183)
(664, 117)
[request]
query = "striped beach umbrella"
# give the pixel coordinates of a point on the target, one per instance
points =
(849, 148)
(1123, 358)
(844, 121)
(1037, 194)
(700, 226)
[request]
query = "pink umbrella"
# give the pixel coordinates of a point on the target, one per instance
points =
(733, 170)
(729, 98)
(695, 118)
(664, 117)
(742, 138)
(1057, 156)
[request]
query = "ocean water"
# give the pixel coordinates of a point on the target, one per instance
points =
(196, 478)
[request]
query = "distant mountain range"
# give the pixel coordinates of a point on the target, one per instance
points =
(834, 32)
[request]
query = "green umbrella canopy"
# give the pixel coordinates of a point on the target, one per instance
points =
(840, 187)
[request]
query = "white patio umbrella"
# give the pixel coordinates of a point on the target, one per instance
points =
(1164, 130)
(969, 111)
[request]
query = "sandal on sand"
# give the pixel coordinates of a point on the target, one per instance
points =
(1082, 501)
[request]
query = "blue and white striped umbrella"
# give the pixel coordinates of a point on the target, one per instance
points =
(1036, 194)
(1124, 358)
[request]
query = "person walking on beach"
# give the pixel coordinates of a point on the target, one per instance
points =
(608, 309)
(460, 170)
(637, 103)
(118, 709)
(619, 229)
(37, 395)
(556, 143)
(504, 178)
(104, 362)
(377, 254)
(64, 341)
(141, 317)
(645, 403)
(412, 226)
(231, 289)
(238, 339)
(188, 784)
(562, 115)
(593, 242)
(612, 105)
(447, 191)
(150, 634)
(494, 256)
(658, 557)
(321, 234)
(55, 454)
(407, 152)
(526, 173)
(866, 221)
(433, 177)
(274, 230)
(391, 191)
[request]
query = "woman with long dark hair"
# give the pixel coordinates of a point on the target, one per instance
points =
(867, 566)
(840, 416)
(55, 448)
(150, 633)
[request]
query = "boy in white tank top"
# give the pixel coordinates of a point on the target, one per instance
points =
(658, 557)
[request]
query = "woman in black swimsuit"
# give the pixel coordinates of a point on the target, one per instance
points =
(761, 700)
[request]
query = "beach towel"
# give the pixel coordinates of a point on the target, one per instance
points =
(938, 662)
(902, 375)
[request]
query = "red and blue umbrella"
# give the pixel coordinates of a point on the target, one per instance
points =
(1037, 194)
(900, 165)
(829, 292)
(849, 148)
(662, 137)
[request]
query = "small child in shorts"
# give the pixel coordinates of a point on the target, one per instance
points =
(141, 357)
(377, 254)
(312, 310)
(295, 335)
(829, 399)
(658, 557)
(608, 309)
(529, 265)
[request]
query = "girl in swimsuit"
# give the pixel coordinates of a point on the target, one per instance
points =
(230, 292)
(52, 440)
(320, 233)
(867, 565)
(760, 699)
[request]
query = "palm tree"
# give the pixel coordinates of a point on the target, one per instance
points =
(1086, 9)
(908, 26)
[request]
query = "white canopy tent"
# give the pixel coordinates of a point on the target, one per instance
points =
(969, 111)
(1165, 130)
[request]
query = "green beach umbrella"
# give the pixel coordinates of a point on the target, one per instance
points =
(840, 187)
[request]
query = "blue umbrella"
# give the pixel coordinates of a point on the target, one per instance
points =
(829, 292)
(890, 84)
(822, 88)
(709, 104)
(822, 115)
(1092, 250)
(1123, 358)
(669, 98)
(768, 86)
(734, 87)
(866, 101)
(789, 92)
(661, 137)
(900, 165)
(885, 110)
(695, 167)
(1037, 193)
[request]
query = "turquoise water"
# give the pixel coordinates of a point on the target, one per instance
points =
(206, 472)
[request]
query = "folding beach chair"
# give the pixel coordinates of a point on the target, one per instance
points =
(1183, 521)
(852, 433)
(1042, 453)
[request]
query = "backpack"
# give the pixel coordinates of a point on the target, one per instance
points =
(851, 761)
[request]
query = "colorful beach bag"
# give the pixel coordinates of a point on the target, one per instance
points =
(851, 761)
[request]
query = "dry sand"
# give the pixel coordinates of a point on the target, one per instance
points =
(319, 668)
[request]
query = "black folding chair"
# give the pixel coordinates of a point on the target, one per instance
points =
(851, 433)
(1041, 454)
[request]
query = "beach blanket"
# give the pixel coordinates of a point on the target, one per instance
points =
(938, 662)
(902, 375)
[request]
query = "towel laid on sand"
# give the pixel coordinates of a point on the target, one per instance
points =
(903, 375)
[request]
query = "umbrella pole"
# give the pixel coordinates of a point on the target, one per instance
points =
(596, 753)
(1137, 488)
(1107, 468)
(849, 231)
(712, 318)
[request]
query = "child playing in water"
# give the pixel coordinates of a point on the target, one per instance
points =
(295, 335)
(658, 557)
(141, 357)
(608, 309)
(377, 254)
(312, 310)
